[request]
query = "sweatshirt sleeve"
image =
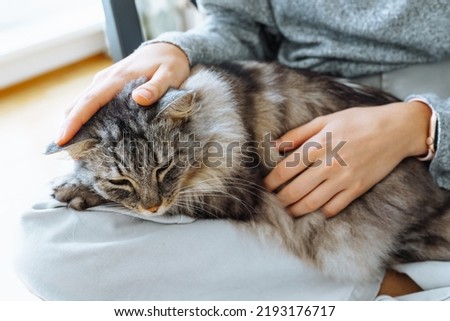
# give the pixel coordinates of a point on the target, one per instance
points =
(232, 30)
(440, 165)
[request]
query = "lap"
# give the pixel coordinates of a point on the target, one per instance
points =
(102, 254)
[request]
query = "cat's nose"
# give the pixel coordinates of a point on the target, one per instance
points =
(153, 209)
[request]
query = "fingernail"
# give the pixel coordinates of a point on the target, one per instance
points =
(277, 143)
(62, 133)
(143, 93)
(58, 141)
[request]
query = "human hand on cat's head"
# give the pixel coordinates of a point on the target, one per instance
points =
(165, 66)
(340, 156)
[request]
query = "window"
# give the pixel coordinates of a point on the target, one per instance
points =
(41, 35)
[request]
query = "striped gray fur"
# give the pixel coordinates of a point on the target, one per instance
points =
(122, 156)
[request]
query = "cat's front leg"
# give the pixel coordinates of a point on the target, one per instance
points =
(71, 190)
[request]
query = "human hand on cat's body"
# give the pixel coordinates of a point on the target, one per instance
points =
(165, 65)
(376, 140)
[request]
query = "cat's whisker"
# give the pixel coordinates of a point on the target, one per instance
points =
(249, 207)
(199, 199)
(239, 186)
(244, 185)
(218, 194)
(224, 182)
(179, 204)
(225, 194)
(227, 180)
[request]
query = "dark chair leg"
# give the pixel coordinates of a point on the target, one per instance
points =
(123, 29)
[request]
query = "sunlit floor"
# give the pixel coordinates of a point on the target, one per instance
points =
(30, 115)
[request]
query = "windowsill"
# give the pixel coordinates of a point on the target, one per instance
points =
(49, 41)
(51, 54)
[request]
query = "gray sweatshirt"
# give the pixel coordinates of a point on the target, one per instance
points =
(337, 37)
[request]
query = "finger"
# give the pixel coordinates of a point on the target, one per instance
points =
(315, 200)
(154, 89)
(293, 164)
(297, 136)
(300, 186)
(343, 199)
(107, 75)
(79, 97)
(339, 203)
(84, 108)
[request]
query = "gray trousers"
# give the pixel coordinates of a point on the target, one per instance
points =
(106, 254)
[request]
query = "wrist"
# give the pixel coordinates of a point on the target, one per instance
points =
(431, 140)
(168, 48)
(163, 54)
(417, 120)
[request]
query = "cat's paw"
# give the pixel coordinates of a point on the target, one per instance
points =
(77, 196)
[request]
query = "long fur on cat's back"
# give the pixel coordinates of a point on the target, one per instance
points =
(175, 157)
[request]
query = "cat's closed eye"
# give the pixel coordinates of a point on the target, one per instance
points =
(121, 183)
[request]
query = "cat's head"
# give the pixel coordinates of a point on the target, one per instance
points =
(140, 157)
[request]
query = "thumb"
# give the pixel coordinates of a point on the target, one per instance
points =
(152, 90)
(297, 136)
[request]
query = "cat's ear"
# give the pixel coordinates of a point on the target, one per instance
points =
(178, 104)
(76, 147)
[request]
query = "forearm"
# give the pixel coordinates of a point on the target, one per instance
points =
(226, 34)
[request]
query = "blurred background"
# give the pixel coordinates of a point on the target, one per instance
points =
(49, 52)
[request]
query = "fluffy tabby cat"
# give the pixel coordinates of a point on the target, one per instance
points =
(168, 159)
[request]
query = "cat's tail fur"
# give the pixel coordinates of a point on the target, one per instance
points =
(428, 241)
(351, 248)
(332, 245)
